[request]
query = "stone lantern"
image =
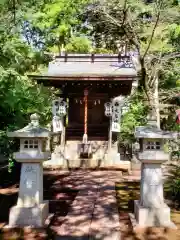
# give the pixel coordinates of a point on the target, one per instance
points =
(30, 210)
(151, 209)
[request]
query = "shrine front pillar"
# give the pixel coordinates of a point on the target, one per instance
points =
(59, 110)
(113, 110)
(117, 104)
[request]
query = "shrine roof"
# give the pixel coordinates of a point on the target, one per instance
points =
(85, 66)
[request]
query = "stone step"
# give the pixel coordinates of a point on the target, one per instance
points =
(81, 131)
(90, 138)
(135, 173)
(70, 153)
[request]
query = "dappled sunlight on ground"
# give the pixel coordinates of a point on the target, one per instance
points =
(93, 214)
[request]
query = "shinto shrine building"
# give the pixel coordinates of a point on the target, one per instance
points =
(86, 114)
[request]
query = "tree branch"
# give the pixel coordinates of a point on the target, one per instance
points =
(170, 56)
(14, 10)
(169, 94)
(166, 57)
(155, 70)
(117, 23)
(135, 37)
(152, 34)
(124, 12)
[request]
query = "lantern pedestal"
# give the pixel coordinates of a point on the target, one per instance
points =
(29, 216)
(149, 217)
(151, 209)
(30, 210)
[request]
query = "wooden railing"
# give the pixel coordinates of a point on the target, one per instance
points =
(94, 57)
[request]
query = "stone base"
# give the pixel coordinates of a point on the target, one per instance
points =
(53, 164)
(91, 163)
(146, 217)
(29, 216)
(125, 164)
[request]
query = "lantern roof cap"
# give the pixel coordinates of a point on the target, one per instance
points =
(34, 116)
(153, 132)
(32, 130)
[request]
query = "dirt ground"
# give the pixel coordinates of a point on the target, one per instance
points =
(127, 192)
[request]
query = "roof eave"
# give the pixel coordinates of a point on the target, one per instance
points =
(84, 77)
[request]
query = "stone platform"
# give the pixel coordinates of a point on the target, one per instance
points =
(66, 157)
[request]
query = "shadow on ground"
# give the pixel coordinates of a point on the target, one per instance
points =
(9, 183)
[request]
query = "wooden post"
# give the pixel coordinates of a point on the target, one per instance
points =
(62, 136)
(85, 137)
(110, 134)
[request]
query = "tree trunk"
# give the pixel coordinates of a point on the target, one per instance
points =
(153, 100)
(156, 101)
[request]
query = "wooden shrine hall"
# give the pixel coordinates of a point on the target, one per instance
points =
(86, 114)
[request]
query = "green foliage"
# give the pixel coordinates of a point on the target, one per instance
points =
(19, 96)
(56, 20)
(10, 163)
(172, 184)
(169, 76)
(102, 50)
(79, 45)
(174, 32)
(136, 116)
